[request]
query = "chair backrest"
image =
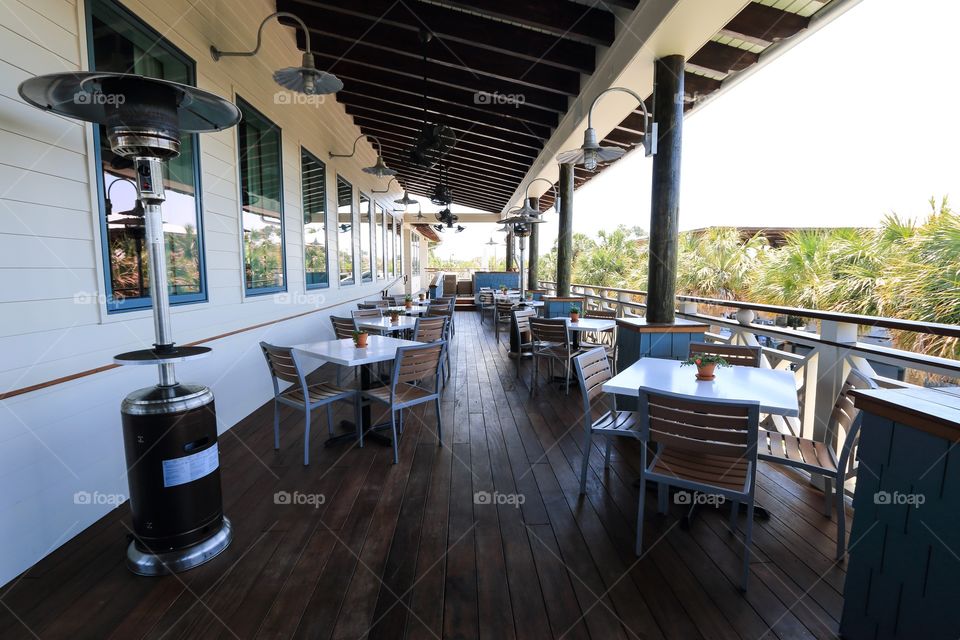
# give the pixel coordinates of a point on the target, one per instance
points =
(282, 364)
(486, 298)
(733, 353)
(603, 314)
(415, 363)
(707, 428)
(399, 300)
(442, 312)
(367, 313)
(504, 307)
(522, 319)
(342, 327)
(374, 304)
(430, 329)
(549, 330)
(847, 417)
(592, 369)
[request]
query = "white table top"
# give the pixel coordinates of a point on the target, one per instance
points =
(591, 324)
(775, 391)
(384, 324)
(416, 309)
(343, 352)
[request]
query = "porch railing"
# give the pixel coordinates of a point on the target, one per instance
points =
(820, 354)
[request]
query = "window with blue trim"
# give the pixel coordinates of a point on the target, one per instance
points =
(261, 193)
(120, 42)
(313, 178)
(345, 224)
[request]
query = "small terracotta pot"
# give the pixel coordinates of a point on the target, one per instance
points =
(574, 317)
(422, 297)
(361, 340)
(408, 304)
(394, 319)
(706, 372)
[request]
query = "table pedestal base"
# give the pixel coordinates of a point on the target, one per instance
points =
(350, 434)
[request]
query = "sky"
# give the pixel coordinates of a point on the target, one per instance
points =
(857, 121)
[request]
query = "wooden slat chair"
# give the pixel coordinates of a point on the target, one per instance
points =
(702, 447)
(593, 369)
(430, 329)
(440, 312)
(605, 339)
(521, 324)
(373, 304)
(343, 328)
(411, 368)
(818, 457)
(551, 340)
(502, 313)
(486, 304)
(450, 302)
(285, 367)
(742, 355)
(365, 314)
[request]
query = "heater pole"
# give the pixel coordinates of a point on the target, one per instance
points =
(533, 278)
(150, 189)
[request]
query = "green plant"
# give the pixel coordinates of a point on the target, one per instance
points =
(704, 359)
(356, 335)
(408, 298)
(574, 309)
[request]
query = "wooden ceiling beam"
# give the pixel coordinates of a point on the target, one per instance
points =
(697, 87)
(723, 58)
(484, 163)
(412, 119)
(466, 141)
(762, 25)
(338, 36)
(498, 173)
(560, 19)
(456, 29)
(444, 100)
(463, 175)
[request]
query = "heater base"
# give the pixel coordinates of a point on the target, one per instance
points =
(160, 564)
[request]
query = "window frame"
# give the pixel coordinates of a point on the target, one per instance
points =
(353, 225)
(380, 213)
(142, 304)
(370, 238)
(261, 291)
(326, 220)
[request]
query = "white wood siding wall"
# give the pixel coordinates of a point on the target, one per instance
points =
(66, 439)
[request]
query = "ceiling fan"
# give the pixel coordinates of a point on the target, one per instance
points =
(434, 140)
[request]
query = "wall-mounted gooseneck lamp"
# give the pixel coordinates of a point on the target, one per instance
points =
(303, 79)
(526, 209)
(590, 153)
(137, 207)
(379, 168)
(387, 190)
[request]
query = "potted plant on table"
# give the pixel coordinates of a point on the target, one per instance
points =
(423, 297)
(394, 316)
(408, 301)
(706, 365)
(360, 339)
(528, 296)
(503, 288)
(574, 313)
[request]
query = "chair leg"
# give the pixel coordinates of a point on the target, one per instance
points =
(841, 520)
(606, 453)
(439, 436)
(358, 418)
(339, 375)
(663, 495)
(276, 424)
(393, 428)
(330, 418)
(587, 438)
(747, 541)
(568, 377)
(827, 496)
(734, 511)
(533, 374)
(640, 507)
(306, 436)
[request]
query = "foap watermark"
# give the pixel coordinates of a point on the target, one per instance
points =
(512, 499)
(96, 498)
(89, 297)
(296, 498)
(897, 499)
(690, 498)
(96, 97)
(296, 98)
(485, 97)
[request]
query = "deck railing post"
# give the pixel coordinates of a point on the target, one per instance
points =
(833, 365)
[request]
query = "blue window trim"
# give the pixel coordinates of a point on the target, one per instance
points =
(247, 292)
(139, 304)
(370, 238)
(326, 218)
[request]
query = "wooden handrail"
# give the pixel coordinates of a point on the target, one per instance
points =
(916, 326)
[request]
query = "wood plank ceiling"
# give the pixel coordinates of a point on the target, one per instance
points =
(501, 74)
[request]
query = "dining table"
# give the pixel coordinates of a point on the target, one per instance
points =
(773, 390)
(415, 310)
(588, 325)
(385, 325)
(346, 354)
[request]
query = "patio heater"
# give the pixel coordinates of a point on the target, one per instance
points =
(522, 225)
(169, 429)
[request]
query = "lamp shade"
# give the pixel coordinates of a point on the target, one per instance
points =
(307, 78)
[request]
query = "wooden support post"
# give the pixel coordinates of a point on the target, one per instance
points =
(665, 196)
(565, 234)
(511, 248)
(533, 279)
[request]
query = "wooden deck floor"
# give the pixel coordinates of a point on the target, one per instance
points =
(407, 552)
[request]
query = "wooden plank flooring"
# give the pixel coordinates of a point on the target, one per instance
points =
(485, 537)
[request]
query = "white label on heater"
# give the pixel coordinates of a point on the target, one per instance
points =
(179, 471)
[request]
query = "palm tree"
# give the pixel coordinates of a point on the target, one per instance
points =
(717, 262)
